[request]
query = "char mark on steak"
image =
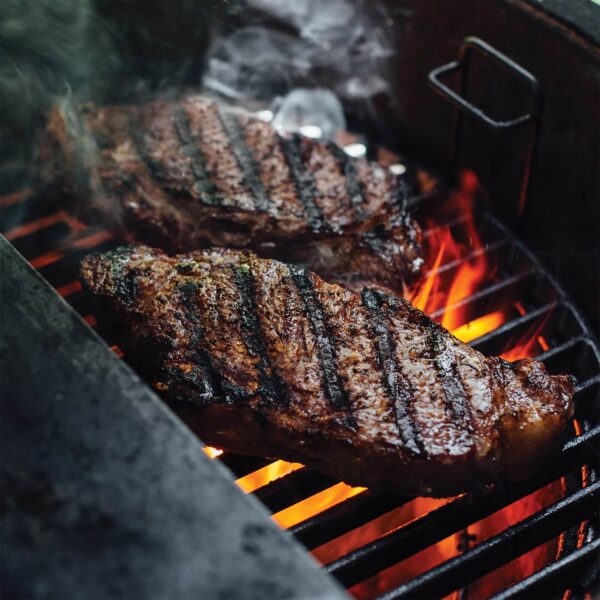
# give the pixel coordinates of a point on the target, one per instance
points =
(262, 358)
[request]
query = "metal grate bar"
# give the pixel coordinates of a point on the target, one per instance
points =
(488, 249)
(510, 326)
(501, 548)
(501, 286)
(552, 352)
(344, 517)
(584, 385)
(243, 465)
(292, 488)
(448, 519)
(556, 576)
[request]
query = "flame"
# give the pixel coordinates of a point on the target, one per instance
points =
(478, 327)
(212, 452)
(459, 263)
(531, 343)
(271, 472)
(309, 507)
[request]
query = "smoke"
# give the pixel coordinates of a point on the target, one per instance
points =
(105, 51)
(338, 46)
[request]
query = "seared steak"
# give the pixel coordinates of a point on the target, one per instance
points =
(264, 358)
(190, 174)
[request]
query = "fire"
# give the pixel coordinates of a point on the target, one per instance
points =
(267, 474)
(315, 504)
(478, 327)
(459, 262)
(531, 342)
(212, 452)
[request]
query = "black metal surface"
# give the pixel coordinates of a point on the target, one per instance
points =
(105, 494)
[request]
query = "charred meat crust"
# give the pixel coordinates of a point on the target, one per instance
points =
(262, 358)
(188, 174)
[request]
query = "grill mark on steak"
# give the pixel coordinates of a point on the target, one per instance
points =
(354, 186)
(332, 382)
(207, 384)
(270, 384)
(398, 388)
(139, 143)
(303, 181)
(203, 185)
(248, 167)
(449, 377)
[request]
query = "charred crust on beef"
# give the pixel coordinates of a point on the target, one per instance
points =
(396, 385)
(203, 184)
(303, 182)
(235, 133)
(452, 386)
(332, 382)
(270, 385)
(354, 187)
(154, 168)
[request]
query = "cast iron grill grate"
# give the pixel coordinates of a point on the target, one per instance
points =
(54, 243)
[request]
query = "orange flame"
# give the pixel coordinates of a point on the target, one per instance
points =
(309, 507)
(271, 472)
(446, 284)
(212, 452)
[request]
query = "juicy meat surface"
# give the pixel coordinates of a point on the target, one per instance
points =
(263, 358)
(188, 174)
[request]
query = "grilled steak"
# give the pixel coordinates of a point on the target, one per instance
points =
(190, 174)
(263, 358)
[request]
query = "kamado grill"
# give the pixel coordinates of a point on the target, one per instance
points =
(538, 538)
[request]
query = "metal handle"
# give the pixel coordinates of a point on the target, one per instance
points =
(475, 45)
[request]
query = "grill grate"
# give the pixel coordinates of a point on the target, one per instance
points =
(54, 243)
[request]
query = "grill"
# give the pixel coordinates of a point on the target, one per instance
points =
(537, 538)
(325, 515)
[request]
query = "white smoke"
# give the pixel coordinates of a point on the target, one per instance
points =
(337, 47)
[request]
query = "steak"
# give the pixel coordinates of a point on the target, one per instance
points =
(263, 358)
(184, 175)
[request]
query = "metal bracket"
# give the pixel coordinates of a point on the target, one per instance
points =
(462, 65)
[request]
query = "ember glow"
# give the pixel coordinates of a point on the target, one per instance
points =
(267, 474)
